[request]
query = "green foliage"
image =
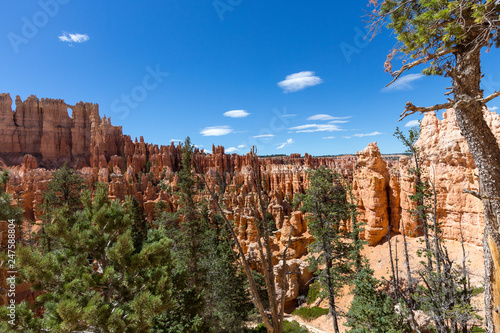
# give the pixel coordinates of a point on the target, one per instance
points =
(7, 210)
(313, 292)
(91, 279)
(426, 27)
(327, 200)
(309, 314)
(64, 189)
(227, 298)
(372, 310)
(210, 292)
(288, 327)
(444, 291)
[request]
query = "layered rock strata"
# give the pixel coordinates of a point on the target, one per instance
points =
(40, 135)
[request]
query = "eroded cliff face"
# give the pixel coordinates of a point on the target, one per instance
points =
(39, 136)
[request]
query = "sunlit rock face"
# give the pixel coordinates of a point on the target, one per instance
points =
(40, 135)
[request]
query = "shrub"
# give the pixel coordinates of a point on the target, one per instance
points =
(288, 327)
(309, 314)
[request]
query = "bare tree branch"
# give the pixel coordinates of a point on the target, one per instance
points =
(492, 96)
(411, 109)
(406, 67)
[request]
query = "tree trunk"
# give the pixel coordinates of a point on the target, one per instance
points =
(331, 294)
(486, 154)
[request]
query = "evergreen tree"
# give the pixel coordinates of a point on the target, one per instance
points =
(372, 310)
(209, 289)
(450, 37)
(95, 279)
(63, 190)
(7, 210)
(228, 304)
(443, 291)
(188, 228)
(327, 200)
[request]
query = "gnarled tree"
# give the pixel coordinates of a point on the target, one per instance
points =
(448, 37)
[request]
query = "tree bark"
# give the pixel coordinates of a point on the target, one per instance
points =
(486, 154)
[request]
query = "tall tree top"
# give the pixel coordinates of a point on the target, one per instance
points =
(431, 30)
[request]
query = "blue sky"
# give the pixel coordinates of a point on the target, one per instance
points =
(287, 76)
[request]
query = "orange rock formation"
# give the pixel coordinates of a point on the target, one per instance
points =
(40, 135)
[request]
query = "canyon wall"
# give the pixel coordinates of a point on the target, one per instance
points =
(40, 135)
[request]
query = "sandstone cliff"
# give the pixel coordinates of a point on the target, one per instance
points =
(40, 135)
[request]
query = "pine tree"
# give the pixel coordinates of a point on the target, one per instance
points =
(63, 190)
(441, 290)
(95, 279)
(327, 200)
(7, 210)
(372, 310)
(450, 37)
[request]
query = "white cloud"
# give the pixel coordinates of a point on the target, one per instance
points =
(298, 81)
(412, 123)
(242, 146)
(338, 121)
(309, 128)
(367, 134)
(328, 137)
(216, 131)
(322, 116)
(493, 108)
(73, 38)
(284, 144)
(236, 114)
(265, 136)
(231, 150)
(176, 140)
(404, 82)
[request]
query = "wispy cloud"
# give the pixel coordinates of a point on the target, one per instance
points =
(236, 114)
(322, 116)
(493, 108)
(403, 83)
(367, 134)
(284, 144)
(242, 146)
(264, 136)
(328, 137)
(298, 81)
(231, 150)
(412, 123)
(73, 38)
(309, 128)
(216, 131)
(176, 140)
